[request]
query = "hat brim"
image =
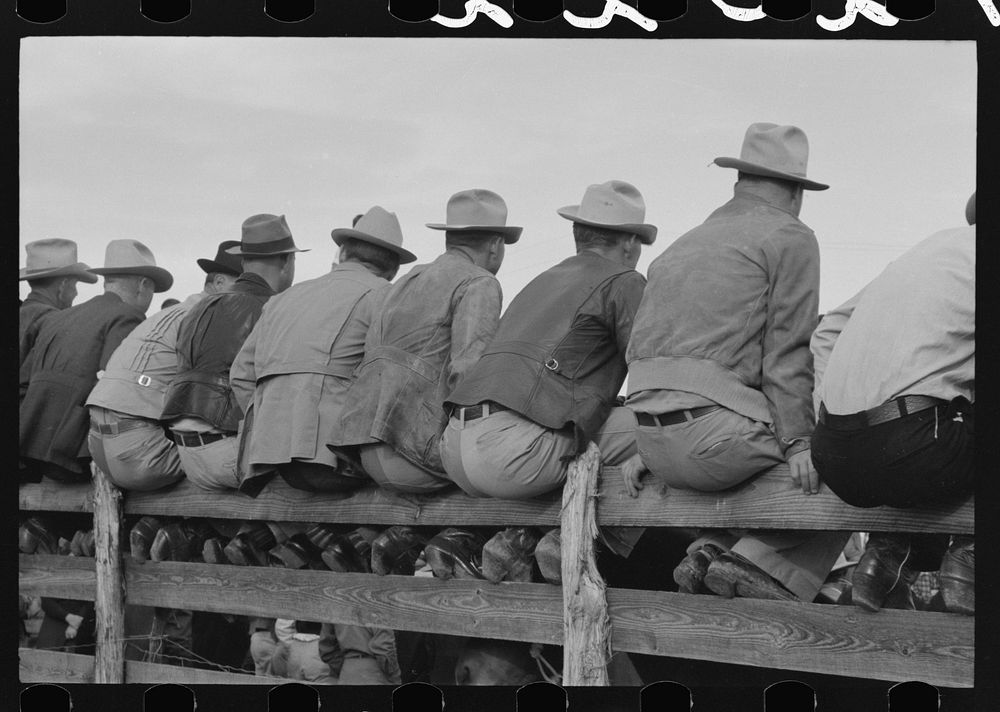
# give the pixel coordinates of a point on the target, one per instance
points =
(759, 170)
(162, 280)
(79, 270)
(511, 233)
(646, 232)
(238, 251)
(210, 266)
(344, 233)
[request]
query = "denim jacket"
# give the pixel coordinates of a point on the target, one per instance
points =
(728, 313)
(434, 323)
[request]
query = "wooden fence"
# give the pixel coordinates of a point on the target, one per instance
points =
(892, 645)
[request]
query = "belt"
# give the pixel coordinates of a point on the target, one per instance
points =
(472, 412)
(890, 410)
(120, 426)
(196, 439)
(677, 416)
(355, 654)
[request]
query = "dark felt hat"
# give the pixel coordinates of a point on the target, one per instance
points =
(223, 262)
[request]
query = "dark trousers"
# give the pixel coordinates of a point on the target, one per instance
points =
(314, 477)
(34, 470)
(920, 459)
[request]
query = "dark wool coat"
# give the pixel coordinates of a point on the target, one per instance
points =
(61, 369)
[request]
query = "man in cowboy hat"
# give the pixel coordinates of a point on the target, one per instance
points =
(546, 384)
(200, 406)
(52, 272)
(295, 368)
(433, 325)
(896, 386)
(720, 374)
(72, 346)
(127, 439)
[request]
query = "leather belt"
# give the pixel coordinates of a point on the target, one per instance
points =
(888, 411)
(472, 412)
(196, 439)
(677, 416)
(120, 426)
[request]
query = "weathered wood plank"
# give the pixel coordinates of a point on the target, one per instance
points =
(109, 600)
(587, 629)
(767, 502)
(37, 666)
(57, 576)
(937, 648)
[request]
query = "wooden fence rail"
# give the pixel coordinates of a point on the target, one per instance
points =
(891, 645)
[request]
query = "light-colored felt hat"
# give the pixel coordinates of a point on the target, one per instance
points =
(54, 258)
(133, 257)
(774, 151)
(614, 205)
(379, 227)
(478, 210)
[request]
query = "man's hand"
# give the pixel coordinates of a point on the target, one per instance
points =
(803, 473)
(632, 471)
(73, 623)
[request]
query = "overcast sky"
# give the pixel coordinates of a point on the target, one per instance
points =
(174, 141)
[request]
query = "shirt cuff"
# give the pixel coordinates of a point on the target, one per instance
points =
(797, 445)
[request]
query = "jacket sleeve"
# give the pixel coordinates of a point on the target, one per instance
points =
(792, 258)
(54, 608)
(473, 325)
(625, 297)
(243, 372)
(825, 338)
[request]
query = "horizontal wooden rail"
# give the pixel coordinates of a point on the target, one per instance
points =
(769, 501)
(37, 666)
(937, 648)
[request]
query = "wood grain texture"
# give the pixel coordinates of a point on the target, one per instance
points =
(38, 666)
(109, 599)
(57, 576)
(587, 630)
(937, 648)
(766, 502)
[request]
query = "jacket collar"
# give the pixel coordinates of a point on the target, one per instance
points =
(252, 283)
(40, 298)
(740, 194)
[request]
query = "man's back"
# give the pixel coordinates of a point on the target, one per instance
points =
(31, 313)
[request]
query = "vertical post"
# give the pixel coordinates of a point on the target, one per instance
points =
(586, 625)
(109, 603)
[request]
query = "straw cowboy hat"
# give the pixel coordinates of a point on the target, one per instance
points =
(265, 235)
(774, 152)
(133, 257)
(615, 205)
(54, 258)
(970, 210)
(379, 227)
(478, 210)
(223, 262)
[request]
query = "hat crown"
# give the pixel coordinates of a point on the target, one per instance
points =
(780, 148)
(381, 224)
(262, 228)
(476, 207)
(51, 253)
(127, 254)
(614, 202)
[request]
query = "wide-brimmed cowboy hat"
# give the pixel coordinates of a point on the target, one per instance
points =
(223, 262)
(379, 227)
(774, 151)
(970, 210)
(478, 210)
(265, 235)
(54, 258)
(133, 257)
(614, 205)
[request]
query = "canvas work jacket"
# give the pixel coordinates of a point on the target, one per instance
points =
(60, 371)
(558, 357)
(31, 313)
(728, 313)
(434, 323)
(295, 368)
(208, 339)
(137, 375)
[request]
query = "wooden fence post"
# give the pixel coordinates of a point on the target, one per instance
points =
(586, 625)
(109, 602)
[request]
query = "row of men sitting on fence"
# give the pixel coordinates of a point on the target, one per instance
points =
(419, 384)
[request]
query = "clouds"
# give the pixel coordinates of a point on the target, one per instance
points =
(174, 141)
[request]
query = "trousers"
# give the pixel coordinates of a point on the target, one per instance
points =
(393, 471)
(142, 458)
(720, 450)
(212, 466)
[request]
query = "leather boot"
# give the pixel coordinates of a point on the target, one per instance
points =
(882, 569)
(248, 547)
(351, 552)
(548, 556)
(731, 575)
(213, 550)
(958, 576)
(510, 555)
(36, 534)
(396, 550)
(456, 553)
(141, 537)
(296, 552)
(689, 574)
